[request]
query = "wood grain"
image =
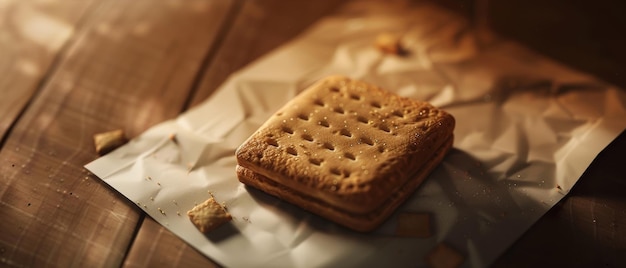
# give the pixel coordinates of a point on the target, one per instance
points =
(261, 26)
(130, 66)
(32, 35)
(155, 246)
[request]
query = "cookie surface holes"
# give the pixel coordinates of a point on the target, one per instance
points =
(304, 117)
(271, 142)
(318, 102)
(384, 128)
(349, 156)
(355, 97)
(324, 123)
(316, 161)
(376, 104)
(362, 119)
(335, 171)
(339, 110)
(329, 146)
(287, 129)
(367, 141)
(381, 149)
(334, 89)
(307, 137)
(292, 151)
(345, 132)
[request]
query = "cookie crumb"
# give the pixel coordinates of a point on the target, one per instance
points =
(173, 138)
(108, 141)
(443, 256)
(389, 44)
(208, 216)
(412, 224)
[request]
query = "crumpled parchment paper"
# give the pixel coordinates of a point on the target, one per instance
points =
(527, 128)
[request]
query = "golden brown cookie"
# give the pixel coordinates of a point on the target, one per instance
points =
(345, 149)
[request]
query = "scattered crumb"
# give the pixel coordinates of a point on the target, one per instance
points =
(159, 184)
(413, 225)
(173, 138)
(443, 256)
(389, 44)
(108, 141)
(161, 211)
(208, 215)
(559, 187)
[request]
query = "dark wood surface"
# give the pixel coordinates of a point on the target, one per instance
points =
(70, 69)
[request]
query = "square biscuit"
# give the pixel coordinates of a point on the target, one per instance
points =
(346, 149)
(208, 216)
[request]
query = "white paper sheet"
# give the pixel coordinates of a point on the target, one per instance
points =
(526, 130)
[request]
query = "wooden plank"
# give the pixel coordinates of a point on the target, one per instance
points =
(155, 246)
(259, 27)
(262, 26)
(32, 33)
(131, 66)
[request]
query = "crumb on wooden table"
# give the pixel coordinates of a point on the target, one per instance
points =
(108, 141)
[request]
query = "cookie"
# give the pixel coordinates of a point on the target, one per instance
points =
(346, 150)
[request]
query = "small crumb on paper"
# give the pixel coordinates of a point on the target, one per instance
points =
(412, 224)
(389, 44)
(443, 256)
(108, 141)
(173, 138)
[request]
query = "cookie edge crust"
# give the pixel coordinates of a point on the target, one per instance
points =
(359, 222)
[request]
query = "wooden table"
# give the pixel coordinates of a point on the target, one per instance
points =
(70, 69)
